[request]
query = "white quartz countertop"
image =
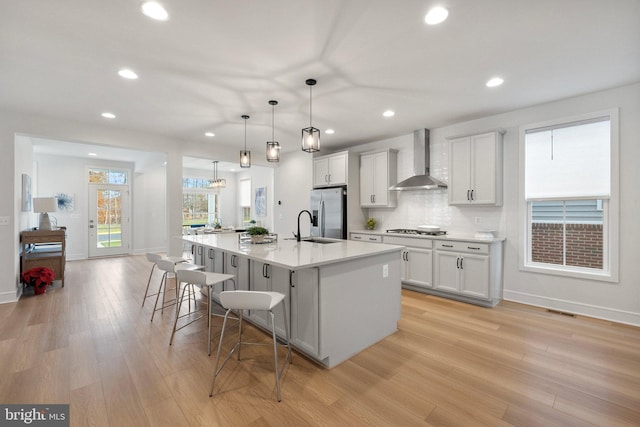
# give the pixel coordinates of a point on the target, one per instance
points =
(449, 236)
(292, 254)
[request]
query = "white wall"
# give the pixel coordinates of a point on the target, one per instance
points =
(260, 177)
(293, 181)
(615, 301)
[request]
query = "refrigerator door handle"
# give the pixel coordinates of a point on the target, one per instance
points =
(322, 216)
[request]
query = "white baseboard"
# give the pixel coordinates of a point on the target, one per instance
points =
(7, 297)
(605, 313)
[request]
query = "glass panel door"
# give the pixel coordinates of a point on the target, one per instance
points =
(108, 220)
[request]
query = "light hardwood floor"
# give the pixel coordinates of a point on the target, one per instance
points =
(450, 364)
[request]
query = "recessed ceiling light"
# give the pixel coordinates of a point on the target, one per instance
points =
(127, 74)
(495, 81)
(108, 115)
(154, 10)
(436, 15)
(389, 113)
(329, 131)
(209, 134)
(91, 154)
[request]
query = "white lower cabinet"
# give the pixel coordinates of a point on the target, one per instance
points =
(305, 324)
(418, 266)
(470, 269)
(266, 277)
(301, 302)
(417, 260)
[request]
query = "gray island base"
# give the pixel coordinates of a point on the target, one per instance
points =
(341, 296)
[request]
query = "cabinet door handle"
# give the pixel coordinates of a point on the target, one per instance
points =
(468, 194)
(329, 177)
(200, 250)
(472, 198)
(233, 261)
(291, 279)
(461, 261)
(458, 262)
(210, 253)
(326, 178)
(265, 271)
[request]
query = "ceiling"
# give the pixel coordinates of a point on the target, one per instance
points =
(215, 60)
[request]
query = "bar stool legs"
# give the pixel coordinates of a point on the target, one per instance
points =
(253, 300)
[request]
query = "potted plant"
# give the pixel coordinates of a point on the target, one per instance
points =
(257, 234)
(38, 277)
(371, 223)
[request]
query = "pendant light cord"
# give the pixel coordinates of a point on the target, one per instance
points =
(310, 106)
(273, 130)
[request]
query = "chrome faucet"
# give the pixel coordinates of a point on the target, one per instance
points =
(310, 220)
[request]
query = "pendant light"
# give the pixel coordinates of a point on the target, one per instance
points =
(217, 182)
(310, 135)
(273, 147)
(245, 156)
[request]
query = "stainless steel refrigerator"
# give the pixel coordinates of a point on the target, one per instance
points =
(329, 207)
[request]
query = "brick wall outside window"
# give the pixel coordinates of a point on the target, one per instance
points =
(584, 244)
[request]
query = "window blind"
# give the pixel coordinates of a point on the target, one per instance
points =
(572, 161)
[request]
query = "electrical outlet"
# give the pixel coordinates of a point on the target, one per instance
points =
(385, 270)
(478, 220)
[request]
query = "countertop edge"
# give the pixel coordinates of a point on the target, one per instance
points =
(454, 237)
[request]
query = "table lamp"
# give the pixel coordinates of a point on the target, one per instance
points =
(43, 205)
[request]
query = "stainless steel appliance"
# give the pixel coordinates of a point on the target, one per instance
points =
(414, 231)
(329, 209)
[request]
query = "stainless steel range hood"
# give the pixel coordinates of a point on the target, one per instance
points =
(422, 180)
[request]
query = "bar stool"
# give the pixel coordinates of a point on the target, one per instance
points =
(169, 267)
(151, 257)
(193, 278)
(253, 300)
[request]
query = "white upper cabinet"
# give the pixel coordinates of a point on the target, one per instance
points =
(475, 170)
(378, 171)
(330, 170)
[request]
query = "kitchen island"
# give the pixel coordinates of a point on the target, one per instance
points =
(341, 296)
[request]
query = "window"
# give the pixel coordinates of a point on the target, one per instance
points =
(107, 176)
(245, 200)
(570, 197)
(200, 204)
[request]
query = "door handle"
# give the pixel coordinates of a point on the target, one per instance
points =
(291, 279)
(458, 262)
(472, 198)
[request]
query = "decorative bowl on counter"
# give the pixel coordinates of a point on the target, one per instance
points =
(257, 239)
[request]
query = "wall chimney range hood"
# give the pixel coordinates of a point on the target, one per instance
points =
(422, 180)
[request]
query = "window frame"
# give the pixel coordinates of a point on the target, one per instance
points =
(200, 190)
(610, 249)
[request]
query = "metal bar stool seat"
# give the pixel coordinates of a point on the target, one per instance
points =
(193, 278)
(153, 258)
(169, 267)
(253, 300)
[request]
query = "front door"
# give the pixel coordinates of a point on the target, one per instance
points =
(108, 220)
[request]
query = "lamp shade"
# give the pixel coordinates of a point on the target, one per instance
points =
(45, 204)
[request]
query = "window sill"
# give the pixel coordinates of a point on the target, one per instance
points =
(576, 272)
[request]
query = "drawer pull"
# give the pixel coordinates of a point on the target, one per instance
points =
(471, 247)
(375, 239)
(447, 246)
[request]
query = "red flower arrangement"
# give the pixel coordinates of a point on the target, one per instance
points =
(39, 277)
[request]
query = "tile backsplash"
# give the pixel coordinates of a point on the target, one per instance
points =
(418, 207)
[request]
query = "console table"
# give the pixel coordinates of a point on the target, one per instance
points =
(44, 248)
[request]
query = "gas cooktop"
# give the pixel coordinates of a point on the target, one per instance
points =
(413, 231)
